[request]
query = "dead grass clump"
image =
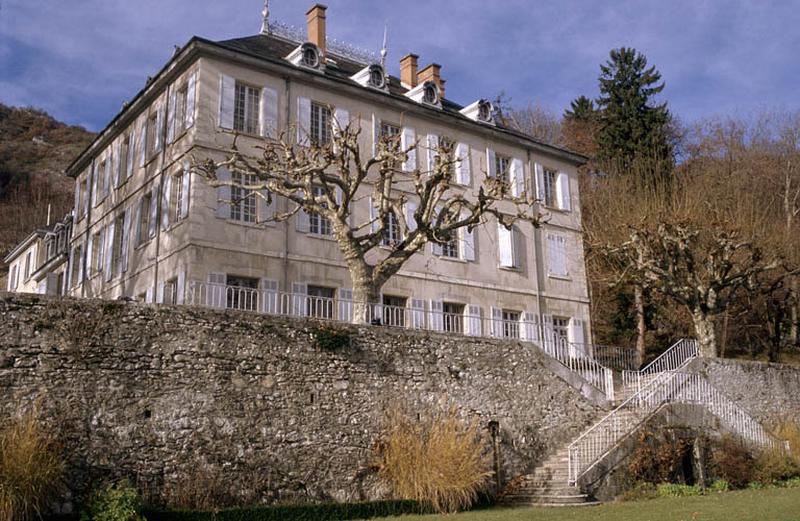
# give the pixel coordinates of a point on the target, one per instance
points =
(30, 468)
(440, 461)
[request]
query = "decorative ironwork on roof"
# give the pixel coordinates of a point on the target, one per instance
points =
(336, 47)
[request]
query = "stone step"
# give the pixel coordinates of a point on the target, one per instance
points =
(544, 499)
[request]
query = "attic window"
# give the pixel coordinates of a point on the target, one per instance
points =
(310, 55)
(377, 78)
(430, 93)
(484, 111)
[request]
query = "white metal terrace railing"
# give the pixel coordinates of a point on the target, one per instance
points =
(666, 387)
(673, 359)
(615, 357)
(467, 321)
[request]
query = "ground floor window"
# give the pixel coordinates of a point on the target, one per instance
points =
(241, 292)
(511, 323)
(453, 317)
(561, 328)
(394, 310)
(320, 301)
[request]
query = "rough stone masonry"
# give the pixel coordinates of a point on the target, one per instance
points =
(174, 395)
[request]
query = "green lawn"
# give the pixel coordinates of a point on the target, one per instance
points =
(762, 505)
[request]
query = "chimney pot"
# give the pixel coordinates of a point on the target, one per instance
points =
(408, 70)
(433, 72)
(315, 18)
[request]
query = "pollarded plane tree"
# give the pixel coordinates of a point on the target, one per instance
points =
(329, 179)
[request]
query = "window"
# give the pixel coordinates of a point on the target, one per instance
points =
(502, 166)
(77, 254)
(510, 323)
(550, 188)
(394, 311)
(310, 56)
(243, 201)
(447, 144)
(176, 197)
(450, 248)
(320, 124)
(317, 223)
(320, 301)
(97, 252)
(557, 255)
(122, 170)
(561, 328)
(242, 293)
(453, 317)
(389, 130)
(101, 180)
(245, 108)
(12, 279)
(377, 78)
(152, 129)
(180, 110)
(143, 226)
(171, 291)
(391, 230)
(430, 93)
(51, 246)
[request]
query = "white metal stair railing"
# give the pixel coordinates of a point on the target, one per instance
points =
(665, 387)
(673, 359)
(468, 323)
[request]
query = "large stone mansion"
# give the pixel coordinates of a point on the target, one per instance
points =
(144, 227)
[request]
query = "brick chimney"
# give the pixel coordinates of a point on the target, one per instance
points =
(433, 72)
(408, 70)
(315, 17)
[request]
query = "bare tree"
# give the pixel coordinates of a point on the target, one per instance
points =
(329, 179)
(701, 269)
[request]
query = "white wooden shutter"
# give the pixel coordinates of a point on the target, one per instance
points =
(95, 177)
(81, 259)
(131, 153)
(473, 320)
(137, 222)
(497, 322)
(148, 296)
(299, 299)
(303, 122)
(217, 296)
(463, 167)
(119, 168)
(562, 185)
(77, 205)
(159, 130)
(373, 217)
(89, 258)
(107, 172)
(557, 254)
(467, 241)
(180, 287)
(227, 95)
(436, 315)
(152, 223)
(143, 141)
(160, 293)
(575, 332)
(223, 194)
(191, 90)
(411, 222)
(517, 178)
(301, 218)
(345, 313)
(539, 170)
(408, 139)
(491, 163)
(376, 134)
(109, 271)
(548, 334)
(269, 112)
(126, 229)
(184, 202)
(173, 100)
(433, 150)
(341, 119)
(268, 296)
(266, 210)
(417, 313)
(505, 244)
(166, 194)
(528, 327)
(101, 248)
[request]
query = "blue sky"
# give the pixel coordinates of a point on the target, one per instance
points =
(81, 59)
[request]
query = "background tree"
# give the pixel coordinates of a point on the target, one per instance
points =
(329, 179)
(533, 119)
(580, 124)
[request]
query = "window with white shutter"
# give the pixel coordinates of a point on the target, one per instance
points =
(408, 139)
(463, 168)
(417, 313)
(562, 189)
(505, 244)
(269, 112)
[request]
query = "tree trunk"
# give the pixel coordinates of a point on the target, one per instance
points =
(704, 328)
(794, 303)
(641, 326)
(366, 300)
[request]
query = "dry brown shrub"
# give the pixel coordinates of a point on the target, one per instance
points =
(31, 468)
(733, 462)
(440, 460)
(656, 459)
(778, 464)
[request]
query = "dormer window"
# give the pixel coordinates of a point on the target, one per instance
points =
(307, 56)
(426, 93)
(372, 76)
(310, 55)
(480, 111)
(430, 93)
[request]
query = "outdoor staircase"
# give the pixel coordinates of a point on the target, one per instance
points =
(555, 482)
